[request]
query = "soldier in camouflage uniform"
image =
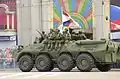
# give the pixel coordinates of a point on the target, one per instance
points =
(43, 37)
(58, 39)
(36, 40)
(74, 36)
(81, 36)
(66, 36)
(51, 38)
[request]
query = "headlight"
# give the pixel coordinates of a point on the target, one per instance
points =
(20, 47)
(110, 43)
(113, 46)
(110, 46)
(117, 47)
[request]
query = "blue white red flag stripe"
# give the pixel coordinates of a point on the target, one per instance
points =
(115, 17)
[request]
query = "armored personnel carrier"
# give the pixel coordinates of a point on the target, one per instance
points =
(85, 54)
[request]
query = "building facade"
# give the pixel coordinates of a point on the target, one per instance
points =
(46, 14)
(32, 15)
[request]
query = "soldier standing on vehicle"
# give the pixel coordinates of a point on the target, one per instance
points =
(44, 37)
(66, 35)
(51, 38)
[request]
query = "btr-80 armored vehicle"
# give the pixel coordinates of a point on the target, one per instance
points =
(85, 54)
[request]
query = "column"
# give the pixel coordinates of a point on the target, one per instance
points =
(106, 18)
(13, 21)
(98, 32)
(94, 19)
(50, 10)
(8, 22)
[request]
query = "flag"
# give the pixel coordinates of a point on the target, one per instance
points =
(115, 17)
(67, 21)
(65, 16)
(115, 26)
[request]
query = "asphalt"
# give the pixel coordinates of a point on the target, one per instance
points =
(55, 70)
(56, 74)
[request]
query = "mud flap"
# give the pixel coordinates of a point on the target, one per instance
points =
(108, 58)
(114, 57)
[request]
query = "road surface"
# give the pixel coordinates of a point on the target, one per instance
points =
(56, 74)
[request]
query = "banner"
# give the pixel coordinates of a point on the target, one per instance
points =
(73, 13)
(115, 15)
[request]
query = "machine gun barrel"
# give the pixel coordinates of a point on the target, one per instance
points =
(39, 32)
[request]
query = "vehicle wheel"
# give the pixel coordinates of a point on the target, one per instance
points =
(104, 68)
(26, 63)
(43, 63)
(85, 62)
(65, 63)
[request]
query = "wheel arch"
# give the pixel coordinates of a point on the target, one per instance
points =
(65, 53)
(24, 53)
(86, 53)
(44, 53)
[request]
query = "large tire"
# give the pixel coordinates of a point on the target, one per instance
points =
(85, 62)
(43, 63)
(104, 68)
(26, 63)
(65, 63)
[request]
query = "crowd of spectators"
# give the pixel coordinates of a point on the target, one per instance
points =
(7, 59)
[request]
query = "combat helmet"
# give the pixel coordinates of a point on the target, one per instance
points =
(66, 29)
(52, 30)
(80, 32)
